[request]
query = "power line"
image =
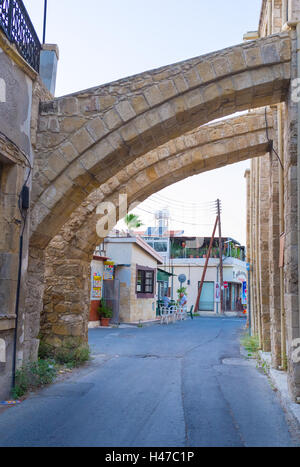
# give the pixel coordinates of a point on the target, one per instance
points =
(176, 220)
(187, 215)
(192, 211)
(206, 205)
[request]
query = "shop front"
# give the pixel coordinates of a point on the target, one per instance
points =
(234, 293)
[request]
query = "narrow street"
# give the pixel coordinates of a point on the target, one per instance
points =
(181, 385)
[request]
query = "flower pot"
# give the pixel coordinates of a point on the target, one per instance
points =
(104, 322)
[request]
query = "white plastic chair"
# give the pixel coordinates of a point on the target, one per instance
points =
(164, 315)
(173, 313)
(182, 313)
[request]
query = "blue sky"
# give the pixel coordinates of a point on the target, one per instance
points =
(101, 41)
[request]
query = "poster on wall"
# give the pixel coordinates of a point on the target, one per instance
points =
(244, 293)
(96, 286)
(108, 271)
(218, 293)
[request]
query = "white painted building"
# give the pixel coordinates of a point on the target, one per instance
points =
(235, 275)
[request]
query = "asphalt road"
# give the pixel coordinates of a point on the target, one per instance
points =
(181, 385)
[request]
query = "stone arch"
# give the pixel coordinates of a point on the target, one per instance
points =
(86, 138)
(66, 302)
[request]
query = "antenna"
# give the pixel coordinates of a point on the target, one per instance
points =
(45, 21)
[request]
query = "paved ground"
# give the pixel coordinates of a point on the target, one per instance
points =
(182, 385)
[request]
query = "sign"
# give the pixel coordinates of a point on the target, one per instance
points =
(244, 294)
(182, 278)
(225, 285)
(218, 292)
(248, 267)
(108, 271)
(239, 276)
(96, 286)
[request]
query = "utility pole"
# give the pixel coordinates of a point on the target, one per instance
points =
(206, 265)
(221, 255)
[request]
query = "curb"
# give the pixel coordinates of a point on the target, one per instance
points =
(280, 382)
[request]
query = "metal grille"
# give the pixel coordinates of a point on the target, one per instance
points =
(111, 294)
(17, 26)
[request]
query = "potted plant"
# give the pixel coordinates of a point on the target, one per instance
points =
(181, 290)
(105, 313)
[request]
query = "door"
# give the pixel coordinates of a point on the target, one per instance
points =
(207, 299)
(111, 294)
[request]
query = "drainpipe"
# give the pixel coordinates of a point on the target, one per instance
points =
(298, 166)
(282, 229)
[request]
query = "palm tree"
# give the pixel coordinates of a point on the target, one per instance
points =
(133, 222)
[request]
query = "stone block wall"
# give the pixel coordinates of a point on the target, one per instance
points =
(15, 159)
(21, 92)
(273, 180)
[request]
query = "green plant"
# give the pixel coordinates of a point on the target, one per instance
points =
(176, 251)
(180, 291)
(133, 222)
(34, 375)
(72, 353)
(73, 357)
(264, 366)
(251, 344)
(104, 310)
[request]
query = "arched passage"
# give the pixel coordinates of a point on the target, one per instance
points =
(66, 300)
(86, 138)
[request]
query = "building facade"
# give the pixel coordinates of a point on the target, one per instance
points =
(135, 266)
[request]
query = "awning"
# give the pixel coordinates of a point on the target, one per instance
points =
(163, 276)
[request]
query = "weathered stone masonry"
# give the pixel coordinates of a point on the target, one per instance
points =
(281, 290)
(68, 166)
(21, 92)
(125, 120)
(132, 137)
(70, 252)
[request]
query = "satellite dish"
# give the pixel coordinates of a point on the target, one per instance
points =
(182, 278)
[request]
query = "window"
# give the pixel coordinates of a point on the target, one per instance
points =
(145, 282)
(161, 247)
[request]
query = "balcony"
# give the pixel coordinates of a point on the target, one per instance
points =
(184, 248)
(16, 25)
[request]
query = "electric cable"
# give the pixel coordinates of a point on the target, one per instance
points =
(175, 220)
(200, 206)
(190, 216)
(23, 208)
(184, 210)
(270, 141)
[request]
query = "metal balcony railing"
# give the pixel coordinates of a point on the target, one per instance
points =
(17, 26)
(186, 253)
